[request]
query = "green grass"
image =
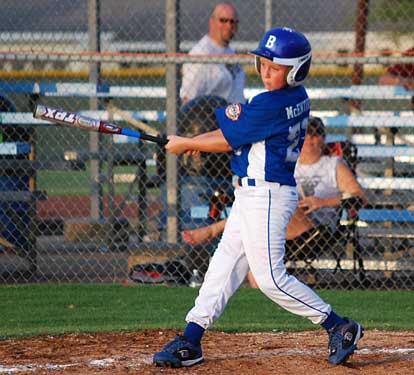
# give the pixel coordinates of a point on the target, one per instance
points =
(28, 310)
(59, 183)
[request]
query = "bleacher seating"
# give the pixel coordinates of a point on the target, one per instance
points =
(340, 124)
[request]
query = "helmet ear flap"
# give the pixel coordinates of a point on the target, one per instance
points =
(298, 73)
(257, 63)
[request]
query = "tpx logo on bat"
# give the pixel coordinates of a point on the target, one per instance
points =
(67, 118)
(54, 114)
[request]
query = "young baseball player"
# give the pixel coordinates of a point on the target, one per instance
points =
(265, 136)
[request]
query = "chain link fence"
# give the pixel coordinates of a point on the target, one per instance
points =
(84, 207)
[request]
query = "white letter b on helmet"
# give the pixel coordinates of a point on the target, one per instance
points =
(270, 41)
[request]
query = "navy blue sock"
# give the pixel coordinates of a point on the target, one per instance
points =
(193, 333)
(332, 320)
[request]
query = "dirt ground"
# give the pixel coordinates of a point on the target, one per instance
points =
(249, 353)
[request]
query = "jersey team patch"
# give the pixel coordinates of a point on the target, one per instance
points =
(233, 111)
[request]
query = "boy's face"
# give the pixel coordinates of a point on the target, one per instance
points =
(273, 75)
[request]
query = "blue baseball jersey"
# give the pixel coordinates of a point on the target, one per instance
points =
(267, 134)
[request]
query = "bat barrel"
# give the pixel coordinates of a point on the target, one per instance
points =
(67, 118)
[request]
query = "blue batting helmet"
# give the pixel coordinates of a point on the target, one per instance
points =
(285, 46)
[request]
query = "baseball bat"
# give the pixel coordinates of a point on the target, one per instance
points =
(77, 120)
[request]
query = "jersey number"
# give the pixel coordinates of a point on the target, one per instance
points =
(292, 152)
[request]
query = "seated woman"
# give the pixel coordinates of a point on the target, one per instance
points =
(323, 181)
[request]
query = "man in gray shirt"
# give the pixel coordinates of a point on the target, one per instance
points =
(223, 80)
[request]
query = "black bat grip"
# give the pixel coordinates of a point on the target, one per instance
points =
(160, 140)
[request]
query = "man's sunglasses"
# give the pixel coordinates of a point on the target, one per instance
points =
(230, 20)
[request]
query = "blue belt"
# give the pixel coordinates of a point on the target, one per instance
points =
(246, 181)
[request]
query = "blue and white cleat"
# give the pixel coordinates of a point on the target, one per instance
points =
(179, 353)
(343, 340)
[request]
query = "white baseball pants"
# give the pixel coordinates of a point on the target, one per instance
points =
(254, 237)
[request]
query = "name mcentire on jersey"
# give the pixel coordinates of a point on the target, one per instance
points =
(297, 110)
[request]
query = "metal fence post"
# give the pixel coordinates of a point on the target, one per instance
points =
(172, 79)
(95, 138)
(268, 14)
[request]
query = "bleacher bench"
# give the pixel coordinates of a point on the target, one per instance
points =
(333, 119)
